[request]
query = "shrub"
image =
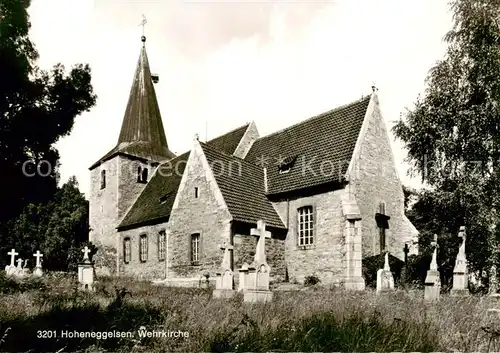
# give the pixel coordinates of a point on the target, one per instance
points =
(373, 263)
(311, 280)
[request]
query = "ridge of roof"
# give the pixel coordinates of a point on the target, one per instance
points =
(317, 116)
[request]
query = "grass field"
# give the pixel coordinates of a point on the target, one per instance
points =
(35, 315)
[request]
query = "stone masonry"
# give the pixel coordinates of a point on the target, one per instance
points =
(374, 180)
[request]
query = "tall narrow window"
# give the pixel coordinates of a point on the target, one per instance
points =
(144, 176)
(127, 254)
(143, 248)
(162, 238)
(195, 248)
(196, 192)
(103, 179)
(139, 174)
(305, 224)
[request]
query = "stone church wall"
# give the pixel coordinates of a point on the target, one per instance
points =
(375, 180)
(205, 215)
(244, 251)
(324, 258)
(152, 268)
(103, 217)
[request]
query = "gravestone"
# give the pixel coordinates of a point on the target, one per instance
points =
(224, 280)
(404, 270)
(256, 284)
(26, 271)
(38, 272)
(460, 281)
(86, 271)
(11, 269)
(385, 279)
(433, 279)
(243, 277)
(19, 269)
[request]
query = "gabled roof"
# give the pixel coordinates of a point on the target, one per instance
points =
(155, 202)
(142, 133)
(242, 186)
(320, 149)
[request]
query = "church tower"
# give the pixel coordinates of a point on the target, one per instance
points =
(120, 175)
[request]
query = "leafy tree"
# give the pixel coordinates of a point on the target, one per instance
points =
(36, 109)
(58, 228)
(453, 132)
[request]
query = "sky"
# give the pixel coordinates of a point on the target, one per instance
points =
(224, 63)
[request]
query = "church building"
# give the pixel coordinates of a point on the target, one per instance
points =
(327, 189)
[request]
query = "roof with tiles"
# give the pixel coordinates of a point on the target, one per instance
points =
(314, 152)
(155, 203)
(242, 186)
(142, 133)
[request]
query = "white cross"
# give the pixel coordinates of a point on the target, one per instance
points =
(260, 231)
(19, 262)
(38, 255)
(85, 252)
(12, 254)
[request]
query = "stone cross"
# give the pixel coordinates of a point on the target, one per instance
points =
(433, 266)
(463, 235)
(386, 262)
(406, 250)
(85, 252)
(13, 255)
(19, 263)
(226, 259)
(38, 255)
(260, 231)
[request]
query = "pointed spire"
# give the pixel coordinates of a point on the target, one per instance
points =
(142, 122)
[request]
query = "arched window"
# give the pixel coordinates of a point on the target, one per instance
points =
(305, 225)
(103, 179)
(143, 248)
(127, 254)
(195, 248)
(162, 241)
(139, 174)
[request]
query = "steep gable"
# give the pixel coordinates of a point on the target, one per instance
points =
(155, 203)
(314, 152)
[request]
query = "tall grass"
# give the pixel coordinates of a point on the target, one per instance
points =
(305, 321)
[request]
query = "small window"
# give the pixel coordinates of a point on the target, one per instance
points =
(103, 179)
(126, 250)
(142, 175)
(196, 192)
(143, 248)
(285, 164)
(305, 225)
(162, 238)
(195, 248)
(139, 174)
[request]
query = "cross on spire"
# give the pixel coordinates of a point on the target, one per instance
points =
(143, 23)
